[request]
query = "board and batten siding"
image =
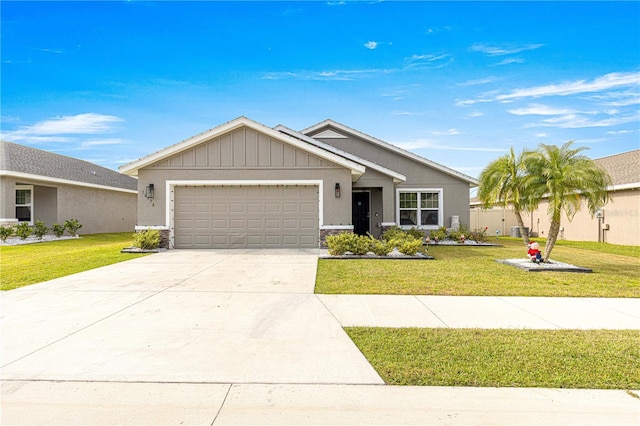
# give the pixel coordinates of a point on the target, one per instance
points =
(243, 148)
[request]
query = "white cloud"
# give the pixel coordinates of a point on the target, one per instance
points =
(407, 113)
(606, 82)
(575, 121)
(417, 144)
(89, 123)
(102, 142)
(477, 82)
(619, 132)
(371, 45)
(503, 50)
(509, 61)
(427, 61)
(57, 129)
(450, 132)
(345, 75)
(539, 109)
(476, 114)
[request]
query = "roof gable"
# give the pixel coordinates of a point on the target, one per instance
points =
(27, 162)
(242, 122)
(338, 128)
(243, 147)
(397, 177)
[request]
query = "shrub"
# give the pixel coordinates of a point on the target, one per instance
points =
(23, 230)
(479, 235)
(438, 234)
(40, 229)
(361, 244)
(410, 247)
(147, 240)
(57, 229)
(456, 235)
(392, 233)
(6, 232)
(381, 248)
(72, 225)
(415, 233)
(398, 233)
(342, 243)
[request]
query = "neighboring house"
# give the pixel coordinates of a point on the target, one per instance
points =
(619, 221)
(40, 185)
(243, 184)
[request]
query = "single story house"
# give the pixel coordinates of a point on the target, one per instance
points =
(244, 184)
(41, 185)
(618, 222)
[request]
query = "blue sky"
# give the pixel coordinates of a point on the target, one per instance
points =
(456, 82)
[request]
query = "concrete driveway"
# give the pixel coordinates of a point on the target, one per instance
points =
(237, 337)
(232, 316)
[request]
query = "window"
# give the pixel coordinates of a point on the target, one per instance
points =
(24, 203)
(420, 208)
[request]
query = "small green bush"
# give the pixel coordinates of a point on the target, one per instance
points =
(40, 229)
(6, 232)
(23, 230)
(438, 234)
(342, 243)
(392, 233)
(415, 233)
(348, 242)
(57, 229)
(148, 239)
(410, 247)
(72, 225)
(381, 248)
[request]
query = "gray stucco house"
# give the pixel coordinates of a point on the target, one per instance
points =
(246, 185)
(41, 185)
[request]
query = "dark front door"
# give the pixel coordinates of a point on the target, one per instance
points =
(360, 212)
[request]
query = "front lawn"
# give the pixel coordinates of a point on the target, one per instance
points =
(473, 271)
(590, 359)
(33, 263)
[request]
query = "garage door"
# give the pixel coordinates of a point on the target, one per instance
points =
(246, 217)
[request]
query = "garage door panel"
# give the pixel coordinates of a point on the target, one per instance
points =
(201, 224)
(219, 224)
(307, 224)
(246, 217)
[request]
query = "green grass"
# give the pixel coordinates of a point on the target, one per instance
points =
(593, 359)
(473, 271)
(33, 263)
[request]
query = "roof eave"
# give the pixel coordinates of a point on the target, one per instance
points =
(472, 181)
(397, 177)
(132, 168)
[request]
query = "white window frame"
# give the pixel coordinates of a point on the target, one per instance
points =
(440, 193)
(30, 205)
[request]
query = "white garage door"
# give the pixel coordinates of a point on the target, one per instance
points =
(246, 217)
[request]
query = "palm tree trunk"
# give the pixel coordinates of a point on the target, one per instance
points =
(552, 237)
(525, 235)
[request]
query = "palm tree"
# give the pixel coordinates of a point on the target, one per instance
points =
(505, 182)
(565, 177)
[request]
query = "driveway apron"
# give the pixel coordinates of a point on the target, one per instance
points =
(182, 316)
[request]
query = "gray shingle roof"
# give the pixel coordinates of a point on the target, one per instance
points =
(24, 159)
(623, 168)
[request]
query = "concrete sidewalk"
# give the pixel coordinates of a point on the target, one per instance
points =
(484, 312)
(238, 337)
